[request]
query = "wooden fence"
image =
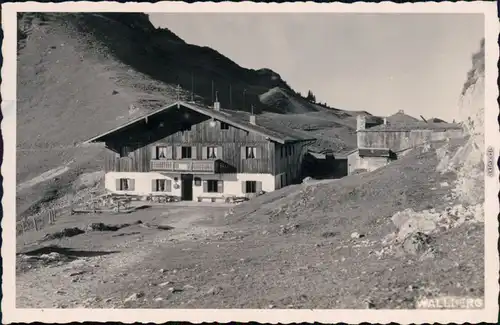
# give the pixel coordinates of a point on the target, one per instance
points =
(40, 220)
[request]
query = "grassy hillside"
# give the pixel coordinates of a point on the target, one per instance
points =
(327, 244)
(82, 74)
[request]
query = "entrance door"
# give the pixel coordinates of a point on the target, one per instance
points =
(186, 187)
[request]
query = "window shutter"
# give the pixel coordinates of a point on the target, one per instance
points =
(154, 188)
(205, 186)
(258, 152)
(131, 184)
(219, 153)
(178, 153)
(204, 152)
(220, 186)
(243, 187)
(243, 152)
(258, 186)
(118, 188)
(154, 152)
(193, 152)
(170, 152)
(168, 185)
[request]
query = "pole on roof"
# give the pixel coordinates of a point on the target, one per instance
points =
(244, 99)
(423, 119)
(192, 86)
(230, 96)
(212, 94)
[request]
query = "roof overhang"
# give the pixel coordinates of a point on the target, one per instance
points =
(205, 111)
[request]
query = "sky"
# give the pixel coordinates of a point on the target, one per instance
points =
(380, 63)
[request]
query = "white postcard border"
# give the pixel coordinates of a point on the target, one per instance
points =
(8, 125)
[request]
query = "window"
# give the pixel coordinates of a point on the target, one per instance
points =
(211, 152)
(161, 153)
(163, 185)
(250, 187)
(197, 181)
(186, 152)
(124, 152)
(282, 150)
(288, 150)
(212, 186)
(125, 184)
(224, 126)
(251, 152)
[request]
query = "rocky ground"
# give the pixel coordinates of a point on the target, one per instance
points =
(375, 240)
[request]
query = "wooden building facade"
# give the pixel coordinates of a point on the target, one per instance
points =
(197, 152)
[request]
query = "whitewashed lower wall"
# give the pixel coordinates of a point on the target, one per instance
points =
(355, 162)
(232, 183)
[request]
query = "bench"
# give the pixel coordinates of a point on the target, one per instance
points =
(212, 198)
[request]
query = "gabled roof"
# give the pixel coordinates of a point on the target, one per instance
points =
(372, 152)
(417, 125)
(263, 126)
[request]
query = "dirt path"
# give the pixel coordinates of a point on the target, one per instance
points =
(79, 282)
(43, 177)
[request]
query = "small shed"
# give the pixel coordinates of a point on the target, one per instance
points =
(369, 159)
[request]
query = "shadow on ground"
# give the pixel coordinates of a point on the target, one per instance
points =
(68, 252)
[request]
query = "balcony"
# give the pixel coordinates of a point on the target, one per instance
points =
(184, 166)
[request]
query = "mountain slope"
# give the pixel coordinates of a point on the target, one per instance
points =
(83, 74)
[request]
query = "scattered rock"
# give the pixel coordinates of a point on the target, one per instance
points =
(444, 184)
(356, 235)
(164, 284)
(285, 229)
(214, 290)
(369, 304)
(66, 232)
(329, 234)
(135, 296)
(77, 273)
(175, 290)
(115, 92)
(416, 243)
(158, 299)
(307, 180)
(99, 226)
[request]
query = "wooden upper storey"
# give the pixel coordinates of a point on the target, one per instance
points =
(185, 137)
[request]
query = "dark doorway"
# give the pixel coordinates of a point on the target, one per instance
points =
(186, 187)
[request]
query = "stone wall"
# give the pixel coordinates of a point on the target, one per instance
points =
(401, 140)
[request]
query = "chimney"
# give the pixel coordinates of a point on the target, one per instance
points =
(385, 120)
(252, 117)
(216, 103)
(361, 122)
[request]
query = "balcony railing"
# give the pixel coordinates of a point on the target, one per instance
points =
(184, 165)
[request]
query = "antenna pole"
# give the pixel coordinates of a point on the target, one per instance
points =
(244, 99)
(230, 96)
(178, 92)
(192, 86)
(212, 91)
(251, 109)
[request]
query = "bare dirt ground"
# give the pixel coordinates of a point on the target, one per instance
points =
(327, 244)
